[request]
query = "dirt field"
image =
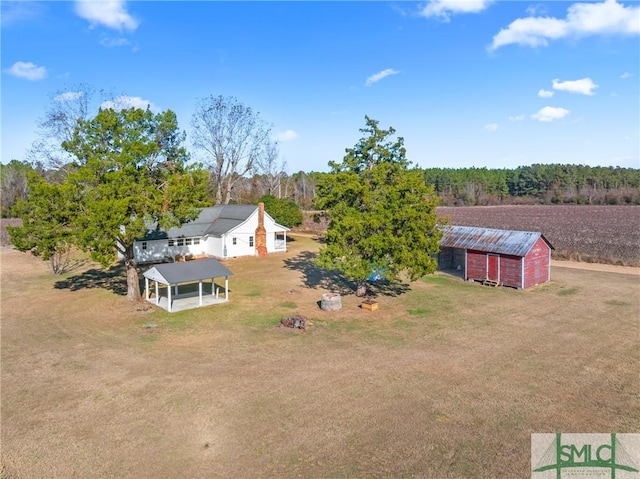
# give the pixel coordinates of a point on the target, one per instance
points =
(445, 380)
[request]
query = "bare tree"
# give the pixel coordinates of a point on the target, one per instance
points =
(66, 108)
(233, 137)
(271, 169)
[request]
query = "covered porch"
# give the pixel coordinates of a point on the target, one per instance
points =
(280, 240)
(187, 285)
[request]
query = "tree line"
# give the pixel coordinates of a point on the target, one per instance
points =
(534, 184)
(538, 183)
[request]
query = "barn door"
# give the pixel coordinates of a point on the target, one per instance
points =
(493, 267)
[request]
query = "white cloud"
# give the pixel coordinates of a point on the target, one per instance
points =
(27, 70)
(550, 113)
(516, 118)
(109, 13)
(445, 8)
(537, 9)
(491, 127)
(626, 75)
(69, 96)
(380, 75)
(114, 42)
(583, 19)
(124, 102)
(285, 136)
(584, 86)
(545, 93)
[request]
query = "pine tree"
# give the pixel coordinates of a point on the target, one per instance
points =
(382, 213)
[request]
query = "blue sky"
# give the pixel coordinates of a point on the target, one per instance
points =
(465, 82)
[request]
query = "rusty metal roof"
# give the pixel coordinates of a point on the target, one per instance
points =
(516, 243)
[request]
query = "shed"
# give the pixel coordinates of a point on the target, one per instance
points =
(171, 275)
(519, 259)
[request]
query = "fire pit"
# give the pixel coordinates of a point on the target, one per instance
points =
(331, 302)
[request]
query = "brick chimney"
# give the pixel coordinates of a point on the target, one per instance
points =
(261, 233)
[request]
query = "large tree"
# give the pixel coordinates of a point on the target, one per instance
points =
(46, 229)
(382, 213)
(233, 138)
(130, 169)
(284, 211)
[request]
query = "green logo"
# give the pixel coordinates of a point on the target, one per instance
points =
(585, 455)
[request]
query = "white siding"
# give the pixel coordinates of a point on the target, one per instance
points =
(159, 250)
(242, 233)
(214, 246)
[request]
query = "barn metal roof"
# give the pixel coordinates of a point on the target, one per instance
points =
(187, 272)
(516, 243)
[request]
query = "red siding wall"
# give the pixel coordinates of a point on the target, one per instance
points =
(536, 264)
(476, 264)
(511, 271)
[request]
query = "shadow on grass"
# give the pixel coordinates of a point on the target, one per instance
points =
(316, 277)
(113, 279)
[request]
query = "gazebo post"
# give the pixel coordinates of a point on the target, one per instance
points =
(157, 294)
(169, 299)
(226, 288)
(200, 291)
(213, 287)
(146, 288)
(176, 289)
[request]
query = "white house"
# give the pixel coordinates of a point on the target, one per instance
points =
(223, 231)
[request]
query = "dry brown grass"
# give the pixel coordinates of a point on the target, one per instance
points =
(447, 380)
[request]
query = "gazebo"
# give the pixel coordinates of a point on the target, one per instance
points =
(172, 275)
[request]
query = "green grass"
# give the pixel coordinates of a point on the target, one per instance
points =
(288, 305)
(567, 291)
(615, 302)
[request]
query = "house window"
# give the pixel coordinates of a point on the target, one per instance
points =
(196, 240)
(251, 241)
(180, 242)
(171, 242)
(234, 241)
(144, 245)
(187, 242)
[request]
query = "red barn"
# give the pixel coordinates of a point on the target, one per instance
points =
(518, 259)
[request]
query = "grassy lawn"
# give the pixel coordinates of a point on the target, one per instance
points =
(445, 380)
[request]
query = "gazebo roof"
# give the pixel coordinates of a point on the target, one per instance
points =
(187, 272)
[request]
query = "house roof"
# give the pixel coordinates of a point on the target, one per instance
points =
(186, 272)
(516, 243)
(214, 221)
